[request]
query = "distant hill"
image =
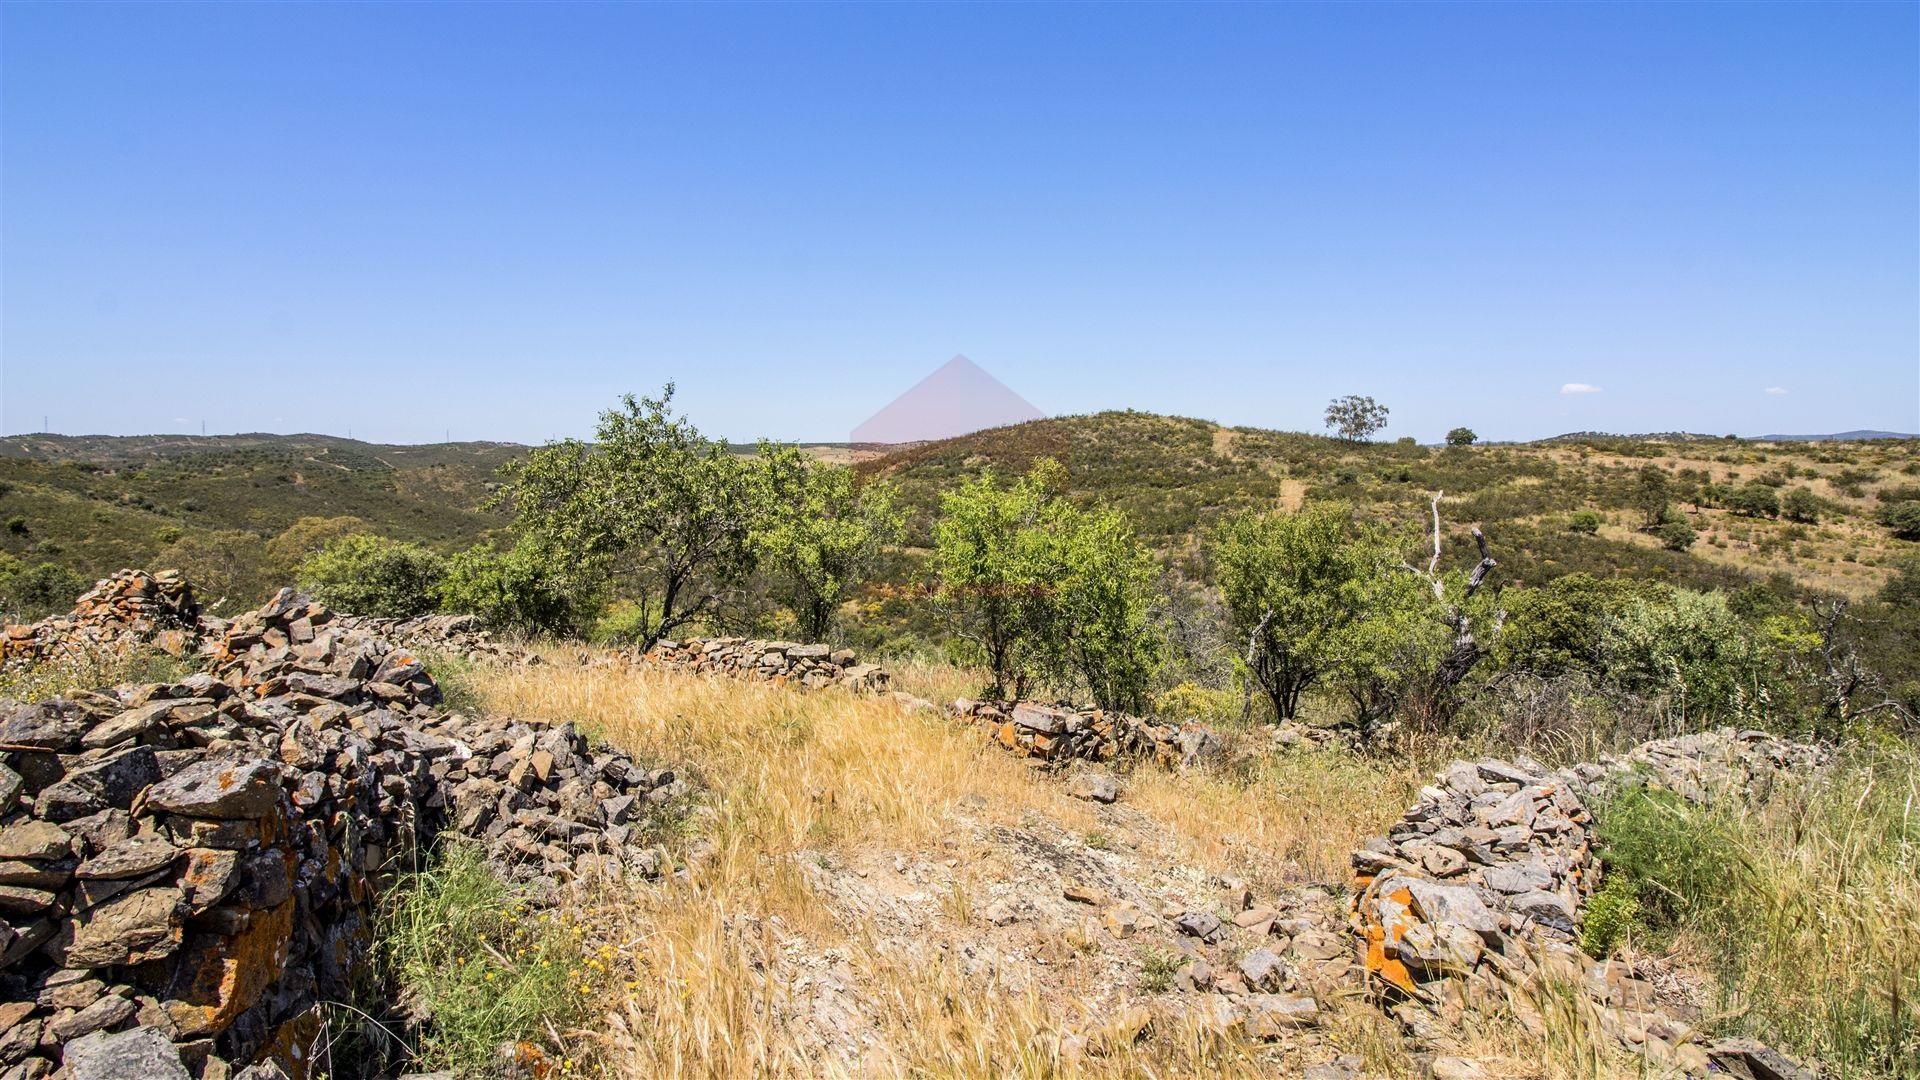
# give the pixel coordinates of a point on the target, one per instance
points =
(211, 504)
(1175, 475)
(214, 505)
(1839, 436)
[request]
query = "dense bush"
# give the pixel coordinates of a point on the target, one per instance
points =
(526, 588)
(34, 591)
(821, 534)
(1754, 500)
(1584, 522)
(1903, 518)
(372, 575)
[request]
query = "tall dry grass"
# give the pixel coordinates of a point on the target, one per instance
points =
(790, 775)
(703, 980)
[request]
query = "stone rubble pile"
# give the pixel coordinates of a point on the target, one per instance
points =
(131, 606)
(1056, 735)
(458, 634)
(810, 666)
(1482, 884)
(193, 866)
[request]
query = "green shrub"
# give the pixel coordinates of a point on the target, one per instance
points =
(30, 592)
(1675, 534)
(17, 525)
(1801, 505)
(1612, 914)
(372, 575)
(1903, 518)
(480, 966)
(525, 588)
(1754, 500)
(1584, 522)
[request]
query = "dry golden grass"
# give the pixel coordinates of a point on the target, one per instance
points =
(704, 980)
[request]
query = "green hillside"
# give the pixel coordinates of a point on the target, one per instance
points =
(1174, 475)
(211, 505)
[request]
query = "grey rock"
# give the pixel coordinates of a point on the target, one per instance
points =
(220, 789)
(111, 782)
(1264, 970)
(142, 1053)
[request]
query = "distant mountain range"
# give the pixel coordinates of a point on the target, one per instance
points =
(1839, 436)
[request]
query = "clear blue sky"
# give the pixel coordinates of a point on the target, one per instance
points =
(494, 219)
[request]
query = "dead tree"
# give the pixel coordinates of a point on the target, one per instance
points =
(1842, 676)
(1466, 651)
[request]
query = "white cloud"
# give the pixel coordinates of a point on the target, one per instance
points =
(1777, 391)
(1579, 388)
(179, 419)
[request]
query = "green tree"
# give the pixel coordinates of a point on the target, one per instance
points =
(372, 575)
(1584, 522)
(665, 514)
(1044, 589)
(1675, 532)
(1650, 494)
(1356, 417)
(1105, 590)
(526, 588)
(823, 533)
(1294, 585)
(305, 538)
(1754, 499)
(1693, 651)
(1903, 518)
(1462, 436)
(1801, 505)
(986, 577)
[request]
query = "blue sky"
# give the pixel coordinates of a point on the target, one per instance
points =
(404, 219)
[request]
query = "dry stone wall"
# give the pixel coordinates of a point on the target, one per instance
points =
(131, 606)
(1484, 882)
(811, 666)
(187, 868)
(1056, 735)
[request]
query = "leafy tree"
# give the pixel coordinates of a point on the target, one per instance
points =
(1801, 505)
(1105, 591)
(1692, 650)
(1903, 518)
(1355, 417)
(662, 512)
(1584, 522)
(224, 566)
(1754, 499)
(1046, 589)
(526, 588)
(1462, 436)
(1675, 534)
(372, 575)
(985, 574)
(1294, 586)
(1651, 494)
(823, 533)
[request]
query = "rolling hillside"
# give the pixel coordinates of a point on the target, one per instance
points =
(1174, 475)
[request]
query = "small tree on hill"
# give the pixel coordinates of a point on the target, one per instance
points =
(1903, 518)
(665, 514)
(1754, 500)
(1650, 494)
(1801, 505)
(1462, 436)
(822, 534)
(1356, 417)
